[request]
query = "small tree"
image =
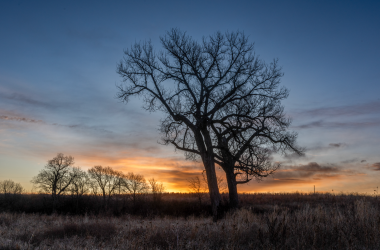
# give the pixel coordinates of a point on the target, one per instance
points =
(8, 187)
(11, 191)
(56, 177)
(81, 183)
(107, 179)
(197, 187)
(157, 190)
(135, 184)
(222, 185)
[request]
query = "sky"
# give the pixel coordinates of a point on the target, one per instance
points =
(58, 87)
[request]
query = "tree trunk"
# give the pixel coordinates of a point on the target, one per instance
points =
(232, 188)
(215, 197)
(54, 196)
(104, 201)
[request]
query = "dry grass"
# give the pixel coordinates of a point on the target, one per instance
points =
(354, 224)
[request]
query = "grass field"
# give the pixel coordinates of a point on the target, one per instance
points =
(265, 221)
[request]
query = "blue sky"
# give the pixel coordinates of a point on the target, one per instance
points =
(58, 86)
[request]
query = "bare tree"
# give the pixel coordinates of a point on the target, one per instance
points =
(94, 187)
(206, 89)
(56, 176)
(107, 179)
(157, 189)
(81, 183)
(197, 187)
(10, 187)
(222, 185)
(136, 185)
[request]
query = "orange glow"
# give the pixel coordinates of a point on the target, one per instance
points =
(174, 173)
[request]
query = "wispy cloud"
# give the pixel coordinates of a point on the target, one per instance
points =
(325, 117)
(17, 97)
(314, 149)
(325, 148)
(375, 166)
(372, 107)
(348, 124)
(312, 170)
(35, 121)
(20, 119)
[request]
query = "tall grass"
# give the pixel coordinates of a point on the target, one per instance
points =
(265, 221)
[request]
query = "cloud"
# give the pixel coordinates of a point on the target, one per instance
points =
(330, 146)
(82, 127)
(352, 161)
(24, 99)
(314, 167)
(312, 170)
(348, 110)
(375, 166)
(310, 125)
(322, 117)
(20, 119)
(323, 124)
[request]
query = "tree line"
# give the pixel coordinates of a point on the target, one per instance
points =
(9, 187)
(60, 177)
(66, 189)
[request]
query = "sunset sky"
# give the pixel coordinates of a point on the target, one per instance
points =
(58, 86)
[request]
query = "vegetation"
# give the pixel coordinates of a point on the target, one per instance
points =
(9, 187)
(265, 221)
(104, 208)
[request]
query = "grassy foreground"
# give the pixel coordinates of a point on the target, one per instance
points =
(282, 221)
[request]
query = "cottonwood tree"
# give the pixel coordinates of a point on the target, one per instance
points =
(56, 177)
(203, 88)
(248, 132)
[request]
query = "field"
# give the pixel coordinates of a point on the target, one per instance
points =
(264, 221)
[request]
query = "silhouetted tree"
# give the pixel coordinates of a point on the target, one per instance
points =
(136, 185)
(10, 187)
(81, 183)
(250, 130)
(11, 191)
(157, 190)
(108, 180)
(56, 177)
(222, 185)
(196, 186)
(207, 89)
